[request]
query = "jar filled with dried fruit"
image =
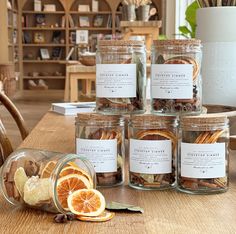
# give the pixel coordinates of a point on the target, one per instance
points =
(176, 86)
(152, 151)
(120, 77)
(100, 139)
(203, 156)
(45, 180)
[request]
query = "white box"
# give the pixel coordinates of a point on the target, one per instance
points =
(37, 5)
(94, 6)
(49, 7)
(83, 8)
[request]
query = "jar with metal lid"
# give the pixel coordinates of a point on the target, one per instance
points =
(176, 86)
(100, 139)
(203, 160)
(120, 77)
(152, 151)
(42, 179)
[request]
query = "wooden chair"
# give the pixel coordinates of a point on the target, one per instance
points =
(5, 144)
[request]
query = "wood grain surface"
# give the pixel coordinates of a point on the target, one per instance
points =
(164, 211)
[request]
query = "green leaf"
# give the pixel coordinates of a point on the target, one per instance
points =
(162, 37)
(184, 30)
(123, 207)
(191, 13)
(190, 16)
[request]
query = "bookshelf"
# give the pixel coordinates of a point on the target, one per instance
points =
(62, 24)
(13, 44)
(42, 32)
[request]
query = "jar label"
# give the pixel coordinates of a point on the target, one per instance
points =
(116, 80)
(150, 157)
(203, 160)
(171, 81)
(101, 153)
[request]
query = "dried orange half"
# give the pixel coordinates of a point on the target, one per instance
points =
(103, 217)
(86, 202)
(76, 170)
(47, 170)
(66, 185)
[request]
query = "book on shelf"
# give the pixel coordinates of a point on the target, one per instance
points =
(14, 23)
(25, 21)
(37, 5)
(109, 21)
(63, 21)
(94, 5)
(71, 22)
(72, 108)
(68, 57)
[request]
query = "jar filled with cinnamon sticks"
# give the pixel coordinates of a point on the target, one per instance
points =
(120, 77)
(203, 156)
(176, 86)
(101, 140)
(152, 151)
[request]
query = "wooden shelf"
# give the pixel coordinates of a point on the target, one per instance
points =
(91, 28)
(44, 12)
(90, 13)
(44, 45)
(42, 29)
(66, 9)
(43, 77)
(43, 61)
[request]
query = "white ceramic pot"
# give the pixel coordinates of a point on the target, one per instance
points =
(216, 28)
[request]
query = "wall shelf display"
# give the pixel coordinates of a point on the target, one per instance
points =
(13, 33)
(43, 42)
(52, 26)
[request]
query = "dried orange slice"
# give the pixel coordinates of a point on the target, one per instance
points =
(86, 202)
(66, 185)
(47, 170)
(76, 170)
(105, 216)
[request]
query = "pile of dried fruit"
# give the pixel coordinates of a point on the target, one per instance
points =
(74, 190)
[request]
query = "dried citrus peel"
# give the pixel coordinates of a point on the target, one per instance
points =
(86, 202)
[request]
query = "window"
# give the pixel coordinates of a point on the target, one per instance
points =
(181, 6)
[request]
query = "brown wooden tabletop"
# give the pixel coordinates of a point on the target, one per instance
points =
(164, 211)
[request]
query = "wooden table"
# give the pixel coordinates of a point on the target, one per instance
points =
(164, 211)
(74, 73)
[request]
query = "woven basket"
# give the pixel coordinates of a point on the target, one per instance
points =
(88, 60)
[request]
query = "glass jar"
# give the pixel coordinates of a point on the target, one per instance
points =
(176, 86)
(120, 77)
(100, 139)
(152, 151)
(203, 156)
(34, 178)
